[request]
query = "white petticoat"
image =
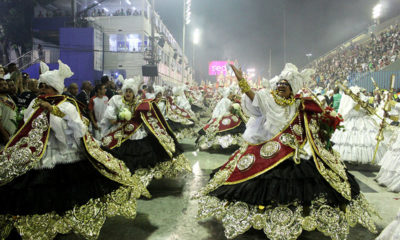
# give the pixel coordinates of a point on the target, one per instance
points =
(389, 174)
(356, 142)
(392, 231)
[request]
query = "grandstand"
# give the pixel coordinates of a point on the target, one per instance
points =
(371, 54)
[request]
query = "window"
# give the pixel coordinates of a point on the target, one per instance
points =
(125, 42)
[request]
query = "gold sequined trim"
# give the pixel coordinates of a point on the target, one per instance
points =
(113, 168)
(57, 112)
(169, 169)
(86, 220)
(288, 221)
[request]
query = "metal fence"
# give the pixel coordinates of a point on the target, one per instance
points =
(382, 79)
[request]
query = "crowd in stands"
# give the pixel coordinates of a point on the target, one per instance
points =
(371, 56)
(50, 14)
(120, 12)
(93, 13)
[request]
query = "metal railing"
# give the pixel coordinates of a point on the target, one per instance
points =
(382, 79)
(25, 60)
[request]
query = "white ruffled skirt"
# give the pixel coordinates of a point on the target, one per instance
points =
(356, 142)
(389, 174)
(392, 231)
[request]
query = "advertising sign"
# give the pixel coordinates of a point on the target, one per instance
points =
(218, 67)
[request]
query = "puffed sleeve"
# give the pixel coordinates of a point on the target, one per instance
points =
(29, 111)
(112, 108)
(221, 108)
(69, 126)
(254, 108)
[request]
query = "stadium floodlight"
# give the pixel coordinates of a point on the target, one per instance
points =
(128, 2)
(196, 36)
(106, 9)
(376, 11)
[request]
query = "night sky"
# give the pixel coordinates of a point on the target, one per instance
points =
(246, 29)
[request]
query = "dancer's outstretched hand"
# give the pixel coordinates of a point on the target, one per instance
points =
(238, 72)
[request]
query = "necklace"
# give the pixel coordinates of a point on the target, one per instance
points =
(131, 104)
(297, 131)
(282, 101)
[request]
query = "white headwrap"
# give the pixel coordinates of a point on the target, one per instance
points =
(121, 79)
(226, 91)
(177, 91)
(234, 89)
(268, 83)
(158, 89)
(56, 78)
(131, 83)
(43, 67)
(296, 80)
(355, 89)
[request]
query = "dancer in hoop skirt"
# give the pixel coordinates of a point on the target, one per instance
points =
(54, 178)
(136, 132)
(286, 179)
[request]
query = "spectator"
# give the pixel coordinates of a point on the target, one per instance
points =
(40, 52)
(2, 72)
(72, 90)
(106, 81)
(25, 80)
(336, 99)
(26, 97)
(97, 107)
(16, 77)
(12, 90)
(329, 98)
(7, 114)
(83, 96)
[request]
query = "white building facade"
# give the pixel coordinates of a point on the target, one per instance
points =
(127, 43)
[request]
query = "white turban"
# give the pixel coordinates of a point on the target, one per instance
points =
(296, 80)
(158, 89)
(271, 82)
(43, 67)
(178, 91)
(56, 78)
(131, 83)
(355, 89)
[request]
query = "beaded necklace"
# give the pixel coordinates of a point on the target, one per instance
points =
(282, 101)
(131, 105)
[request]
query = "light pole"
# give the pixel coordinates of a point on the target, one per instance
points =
(196, 41)
(186, 20)
(153, 44)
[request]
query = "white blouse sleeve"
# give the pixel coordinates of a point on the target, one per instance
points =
(70, 127)
(222, 108)
(112, 108)
(397, 106)
(255, 108)
(29, 111)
